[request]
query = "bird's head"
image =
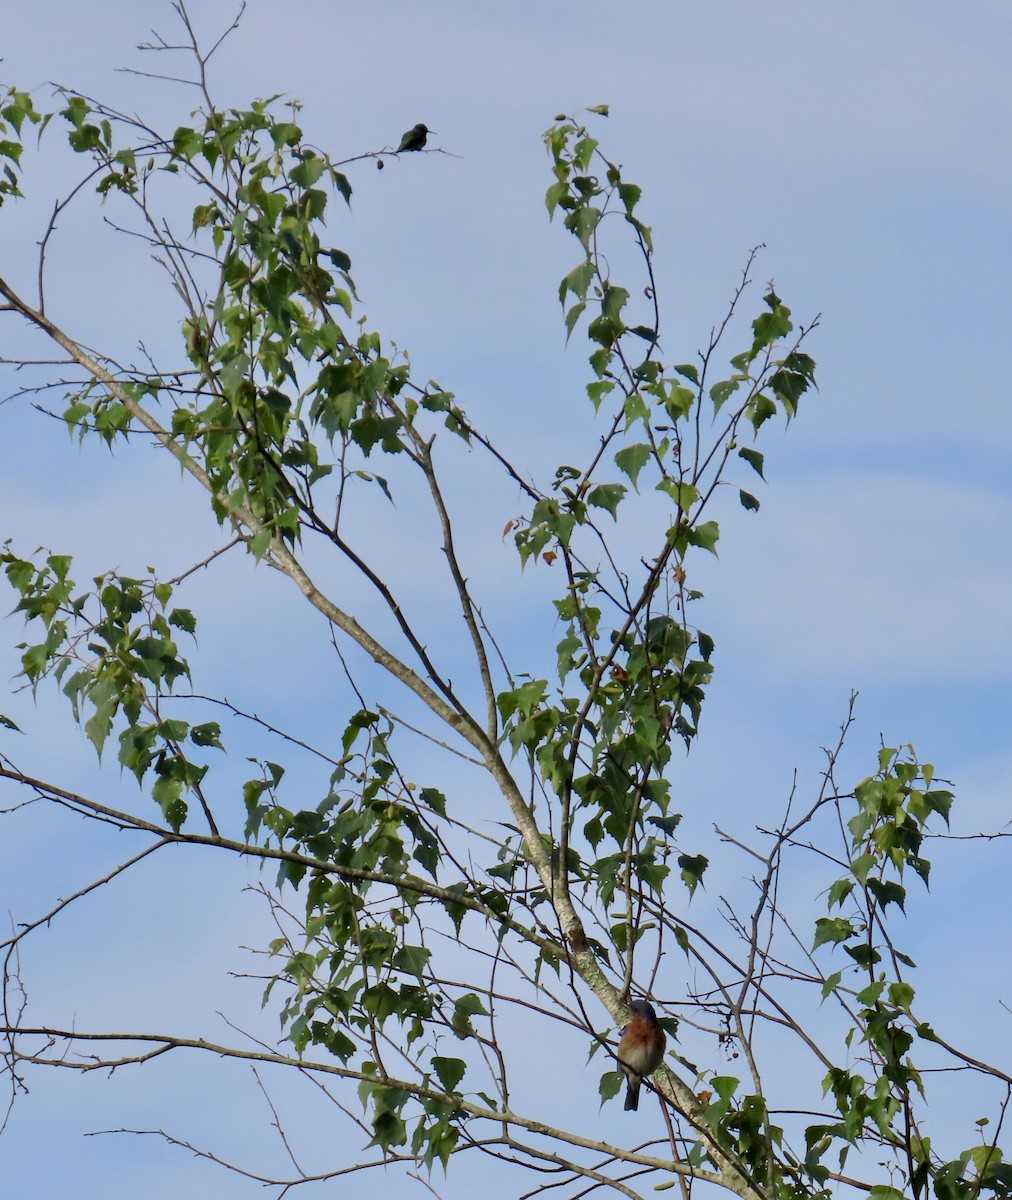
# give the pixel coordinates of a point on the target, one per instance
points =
(642, 1008)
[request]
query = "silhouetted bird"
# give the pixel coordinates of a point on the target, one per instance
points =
(414, 139)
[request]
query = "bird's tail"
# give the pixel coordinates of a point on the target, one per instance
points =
(632, 1094)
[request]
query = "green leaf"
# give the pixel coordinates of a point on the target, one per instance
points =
(450, 1071)
(833, 930)
(434, 799)
(598, 391)
(607, 496)
(556, 193)
(645, 332)
(773, 325)
(684, 494)
(864, 955)
(381, 1000)
(183, 619)
(692, 868)
(940, 801)
(667, 824)
(388, 1131)
(523, 699)
(901, 995)
(887, 892)
(411, 959)
(760, 409)
(308, 171)
(583, 152)
(754, 459)
(613, 301)
(748, 501)
(466, 1007)
(573, 315)
(173, 730)
(208, 734)
(186, 142)
(721, 392)
(629, 194)
(577, 281)
(831, 984)
(583, 222)
(705, 536)
(869, 996)
(167, 794)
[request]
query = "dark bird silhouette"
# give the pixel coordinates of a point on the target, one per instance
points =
(415, 137)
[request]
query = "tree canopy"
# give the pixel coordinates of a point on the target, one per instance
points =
(477, 858)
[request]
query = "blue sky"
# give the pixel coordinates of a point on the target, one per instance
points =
(868, 146)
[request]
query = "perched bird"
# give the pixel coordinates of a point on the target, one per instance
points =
(640, 1050)
(414, 139)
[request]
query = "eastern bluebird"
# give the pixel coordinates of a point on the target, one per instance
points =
(640, 1050)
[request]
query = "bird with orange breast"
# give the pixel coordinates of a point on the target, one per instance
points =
(640, 1050)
